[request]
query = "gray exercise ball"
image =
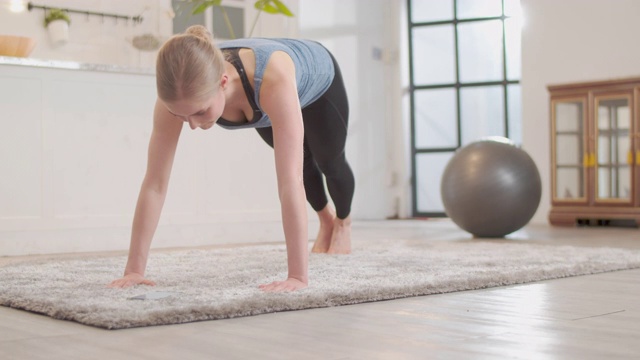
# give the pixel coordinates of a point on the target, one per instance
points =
(491, 188)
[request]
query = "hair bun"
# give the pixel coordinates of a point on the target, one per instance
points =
(200, 32)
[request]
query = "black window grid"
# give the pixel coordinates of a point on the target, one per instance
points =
(504, 83)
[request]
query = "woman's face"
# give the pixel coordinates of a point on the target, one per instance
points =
(201, 114)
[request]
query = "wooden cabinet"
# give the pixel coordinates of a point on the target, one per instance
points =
(595, 152)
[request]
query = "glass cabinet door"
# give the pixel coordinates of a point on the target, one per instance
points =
(613, 148)
(570, 158)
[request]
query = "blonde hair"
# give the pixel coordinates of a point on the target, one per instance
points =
(189, 66)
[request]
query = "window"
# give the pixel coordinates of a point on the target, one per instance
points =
(225, 22)
(464, 66)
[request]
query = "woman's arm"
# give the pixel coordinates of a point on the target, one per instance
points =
(162, 148)
(279, 99)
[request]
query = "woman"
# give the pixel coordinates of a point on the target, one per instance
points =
(292, 92)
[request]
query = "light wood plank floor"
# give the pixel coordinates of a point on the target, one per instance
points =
(587, 317)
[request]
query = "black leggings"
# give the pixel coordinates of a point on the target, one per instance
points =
(325, 134)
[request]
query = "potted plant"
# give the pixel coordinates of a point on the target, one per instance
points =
(57, 22)
(268, 6)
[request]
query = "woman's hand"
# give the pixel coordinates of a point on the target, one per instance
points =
(130, 280)
(288, 285)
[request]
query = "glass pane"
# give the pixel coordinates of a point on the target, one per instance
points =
(614, 183)
(436, 121)
(569, 183)
(624, 150)
(468, 9)
(184, 18)
(482, 112)
(568, 150)
(514, 101)
(613, 147)
(480, 57)
(429, 169)
(624, 186)
(624, 117)
(434, 55)
(236, 18)
(569, 116)
(431, 10)
(604, 149)
(512, 28)
(512, 8)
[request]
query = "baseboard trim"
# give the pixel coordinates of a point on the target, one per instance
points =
(21, 243)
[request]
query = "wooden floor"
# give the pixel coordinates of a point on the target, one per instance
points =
(586, 317)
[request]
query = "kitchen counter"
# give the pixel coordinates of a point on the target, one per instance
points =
(72, 65)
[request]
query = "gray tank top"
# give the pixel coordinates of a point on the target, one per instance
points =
(314, 72)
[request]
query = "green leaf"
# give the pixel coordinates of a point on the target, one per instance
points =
(260, 4)
(273, 7)
(198, 9)
(270, 9)
(283, 9)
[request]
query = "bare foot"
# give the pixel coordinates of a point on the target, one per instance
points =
(341, 237)
(288, 285)
(323, 241)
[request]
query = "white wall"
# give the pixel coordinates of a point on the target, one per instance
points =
(364, 38)
(570, 41)
(73, 155)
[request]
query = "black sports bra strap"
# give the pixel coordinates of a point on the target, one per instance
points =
(234, 58)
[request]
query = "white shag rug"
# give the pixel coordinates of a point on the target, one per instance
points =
(223, 283)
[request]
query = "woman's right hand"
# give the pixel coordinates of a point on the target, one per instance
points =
(130, 280)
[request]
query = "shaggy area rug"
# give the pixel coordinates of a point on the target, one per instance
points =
(222, 283)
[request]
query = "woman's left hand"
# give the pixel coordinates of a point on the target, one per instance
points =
(288, 285)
